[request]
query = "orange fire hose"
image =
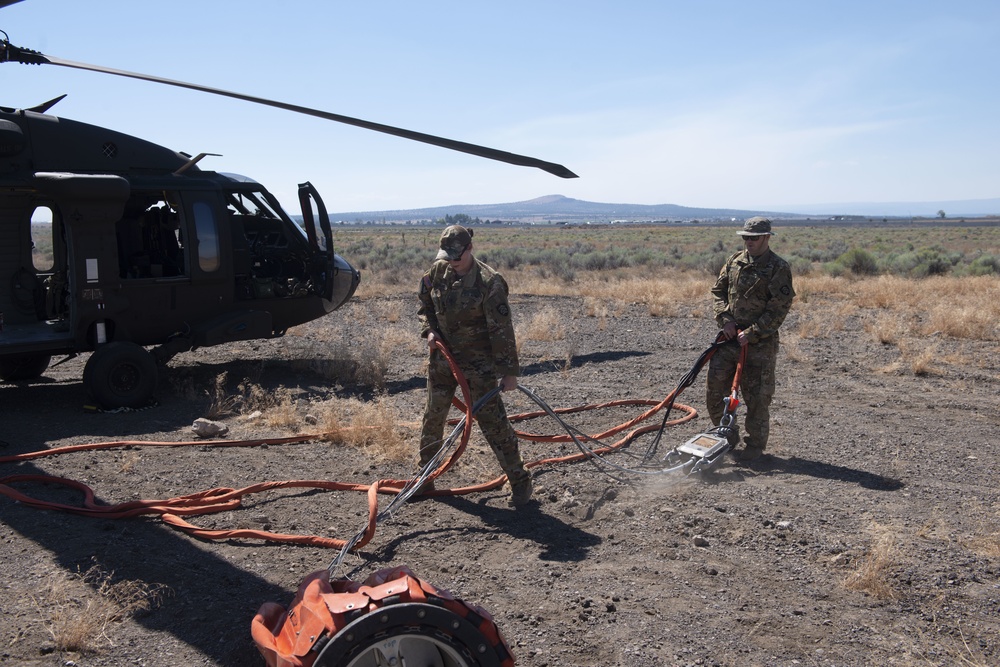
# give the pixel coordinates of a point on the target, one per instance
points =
(223, 499)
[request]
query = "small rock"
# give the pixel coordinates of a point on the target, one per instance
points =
(700, 541)
(206, 428)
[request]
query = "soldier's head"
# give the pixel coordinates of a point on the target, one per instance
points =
(456, 245)
(756, 235)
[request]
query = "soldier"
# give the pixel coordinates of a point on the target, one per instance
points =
(463, 304)
(751, 298)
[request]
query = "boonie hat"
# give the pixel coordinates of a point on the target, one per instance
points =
(756, 226)
(454, 240)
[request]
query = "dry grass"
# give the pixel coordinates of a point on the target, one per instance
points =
(222, 402)
(920, 357)
(247, 397)
(545, 325)
(371, 426)
(887, 328)
(364, 362)
(79, 610)
(791, 346)
(986, 539)
(284, 412)
(872, 573)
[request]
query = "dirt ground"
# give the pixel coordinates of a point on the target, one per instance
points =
(869, 536)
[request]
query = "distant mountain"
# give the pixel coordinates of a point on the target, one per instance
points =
(557, 208)
(552, 208)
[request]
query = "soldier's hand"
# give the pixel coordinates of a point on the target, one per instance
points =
(508, 382)
(743, 338)
(729, 331)
(431, 337)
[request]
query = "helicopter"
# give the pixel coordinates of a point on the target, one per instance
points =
(151, 255)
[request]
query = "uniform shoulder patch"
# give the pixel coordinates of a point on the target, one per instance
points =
(503, 310)
(786, 290)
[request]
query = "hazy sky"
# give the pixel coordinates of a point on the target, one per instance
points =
(710, 104)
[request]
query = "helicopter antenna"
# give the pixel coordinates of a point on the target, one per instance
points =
(193, 161)
(45, 106)
(9, 52)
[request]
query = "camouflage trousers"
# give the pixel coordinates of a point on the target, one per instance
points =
(492, 417)
(756, 385)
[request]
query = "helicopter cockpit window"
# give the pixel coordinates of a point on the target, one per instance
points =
(262, 220)
(207, 231)
(42, 239)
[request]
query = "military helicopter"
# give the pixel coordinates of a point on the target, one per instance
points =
(152, 255)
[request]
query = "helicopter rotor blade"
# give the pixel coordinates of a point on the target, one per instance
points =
(27, 56)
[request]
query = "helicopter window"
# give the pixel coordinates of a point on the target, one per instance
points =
(251, 204)
(150, 239)
(207, 231)
(42, 239)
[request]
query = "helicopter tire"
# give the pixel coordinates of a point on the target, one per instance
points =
(120, 375)
(23, 367)
(409, 633)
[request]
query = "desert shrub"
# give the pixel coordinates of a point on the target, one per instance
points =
(504, 258)
(800, 266)
(819, 255)
(602, 261)
(984, 265)
(859, 261)
(921, 263)
(654, 258)
(711, 263)
(835, 269)
(556, 264)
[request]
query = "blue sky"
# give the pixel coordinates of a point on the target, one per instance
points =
(708, 104)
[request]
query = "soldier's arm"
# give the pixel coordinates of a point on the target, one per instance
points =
(720, 298)
(780, 295)
(500, 325)
(426, 312)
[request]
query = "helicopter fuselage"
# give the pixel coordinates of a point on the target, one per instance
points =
(107, 238)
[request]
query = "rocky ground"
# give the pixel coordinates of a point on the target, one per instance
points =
(869, 535)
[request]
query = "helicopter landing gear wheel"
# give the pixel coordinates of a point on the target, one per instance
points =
(23, 367)
(409, 634)
(120, 375)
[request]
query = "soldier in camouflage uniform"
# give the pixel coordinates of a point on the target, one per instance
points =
(751, 298)
(463, 304)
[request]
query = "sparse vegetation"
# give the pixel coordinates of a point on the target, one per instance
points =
(559, 257)
(872, 574)
(886, 413)
(79, 610)
(371, 425)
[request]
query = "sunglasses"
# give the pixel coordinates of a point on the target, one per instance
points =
(754, 238)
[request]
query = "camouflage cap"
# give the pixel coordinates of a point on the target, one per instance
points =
(756, 226)
(454, 240)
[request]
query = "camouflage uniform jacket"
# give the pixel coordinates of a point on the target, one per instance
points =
(472, 315)
(755, 293)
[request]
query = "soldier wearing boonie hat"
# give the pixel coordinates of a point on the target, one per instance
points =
(464, 305)
(751, 298)
(756, 226)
